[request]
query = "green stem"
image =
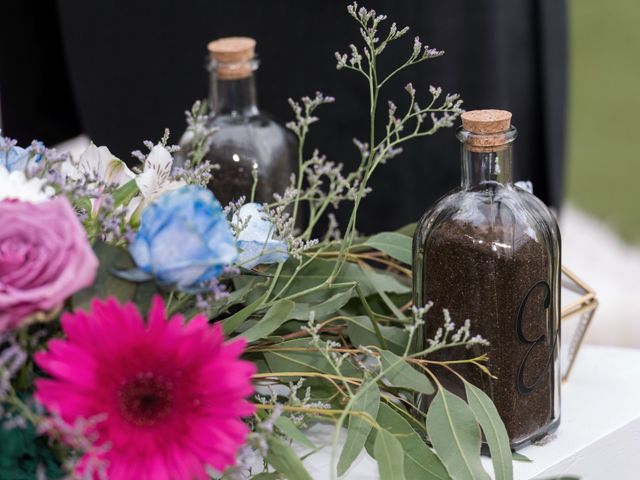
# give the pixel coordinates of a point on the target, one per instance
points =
(170, 299)
(301, 139)
(273, 282)
(254, 174)
(372, 316)
(15, 401)
(298, 269)
(374, 91)
(322, 286)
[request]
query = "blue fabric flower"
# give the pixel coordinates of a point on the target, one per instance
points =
(184, 239)
(256, 240)
(17, 158)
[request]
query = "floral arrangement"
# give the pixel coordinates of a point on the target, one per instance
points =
(118, 288)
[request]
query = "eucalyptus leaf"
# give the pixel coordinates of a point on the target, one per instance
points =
(303, 358)
(240, 292)
(394, 244)
(367, 400)
(317, 272)
(239, 296)
(455, 435)
(377, 281)
(361, 332)
(275, 316)
(230, 324)
(376, 303)
(267, 476)
(400, 374)
(518, 457)
(563, 477)
(282, 457)
(247, 285)
(302, 311)
(106, 284)
(390, 456)
(125, 193)
(286, 426)
(144, 295)
(369, 272)
(420, 463)
(408, 229)
(83, 203)
(494, 431)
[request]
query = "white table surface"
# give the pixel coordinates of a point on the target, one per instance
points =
(599, 433)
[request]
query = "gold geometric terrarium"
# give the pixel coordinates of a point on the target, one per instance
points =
(579, 303)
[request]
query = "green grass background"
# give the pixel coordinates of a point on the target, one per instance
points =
(604, 112)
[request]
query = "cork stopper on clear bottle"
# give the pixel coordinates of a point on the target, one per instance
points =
(233, 58)
(486, 130)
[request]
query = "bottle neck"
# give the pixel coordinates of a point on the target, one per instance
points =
(232, 96)
(480, 167)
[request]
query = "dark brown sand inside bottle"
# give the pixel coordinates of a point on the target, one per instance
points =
(237, 148)
(231, 181)
(483, 273)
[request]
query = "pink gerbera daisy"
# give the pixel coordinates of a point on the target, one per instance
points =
(172, 393)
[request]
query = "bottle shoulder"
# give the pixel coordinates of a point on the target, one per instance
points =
(495, 215)
(257, 120)
(258, 130)
(247, 139)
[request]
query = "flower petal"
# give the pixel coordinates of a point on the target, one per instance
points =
(256, 240)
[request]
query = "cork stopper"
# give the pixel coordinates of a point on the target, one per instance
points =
(488, 129)
(232, 56)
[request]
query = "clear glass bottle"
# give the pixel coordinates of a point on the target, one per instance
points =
(245, 135)
(490, 252)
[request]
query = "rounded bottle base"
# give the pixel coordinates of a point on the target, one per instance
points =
(515, 446)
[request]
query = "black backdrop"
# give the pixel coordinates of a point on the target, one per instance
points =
(121, 71)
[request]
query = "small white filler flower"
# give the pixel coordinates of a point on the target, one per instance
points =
(16, 186)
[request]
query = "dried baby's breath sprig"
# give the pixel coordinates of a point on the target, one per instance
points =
(232, 208)
(449, 335)
(198, 133)
(213, 292)
(149, 144)
(12, 358)
(320, 184)
(399, 127)
(197, 170)
(418, 314)
(199, 174)
(82, 437)
(303, 111)
(333, 229)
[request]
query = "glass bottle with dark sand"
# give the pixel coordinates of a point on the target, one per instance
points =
(490, 252)
(246, 137)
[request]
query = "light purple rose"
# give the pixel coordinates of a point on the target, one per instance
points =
(44, 258)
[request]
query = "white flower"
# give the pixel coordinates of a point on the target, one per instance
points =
(154, 180)
(256, 239)
(155, 177)
(526, 185)
(97, 164)
(17, 186)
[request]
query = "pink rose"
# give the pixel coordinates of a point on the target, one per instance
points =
(44, 258)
